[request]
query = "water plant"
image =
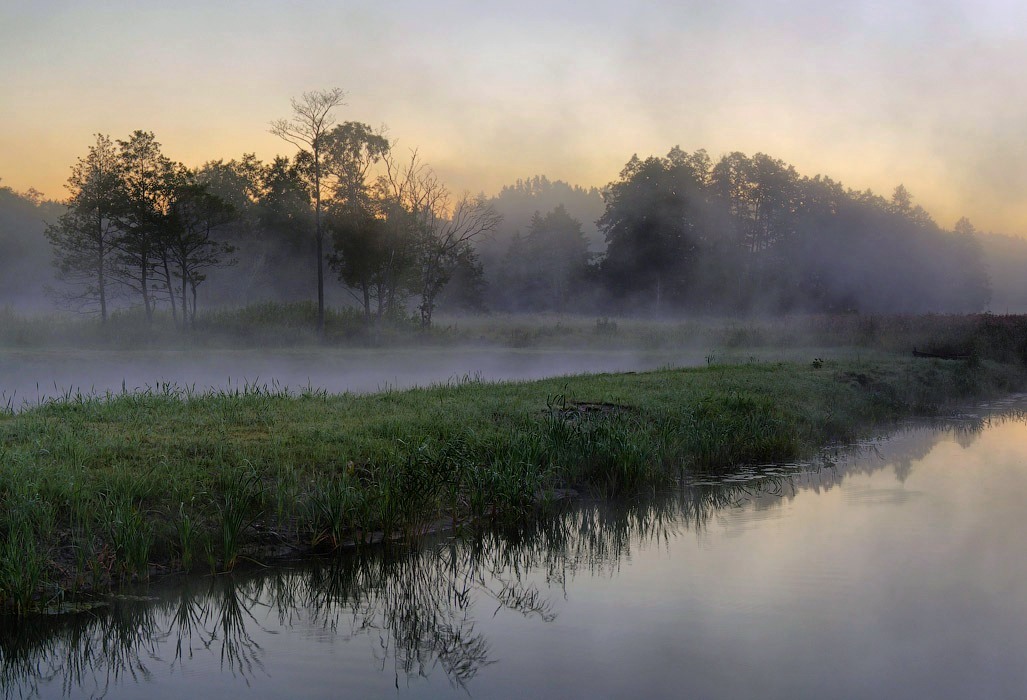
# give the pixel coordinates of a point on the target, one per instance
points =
(238, 506)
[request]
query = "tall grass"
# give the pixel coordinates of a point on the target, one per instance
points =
(97, 490)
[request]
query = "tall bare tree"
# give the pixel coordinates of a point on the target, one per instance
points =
(311, 121)
(443, 230)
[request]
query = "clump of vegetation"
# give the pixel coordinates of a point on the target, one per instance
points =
(97, 490)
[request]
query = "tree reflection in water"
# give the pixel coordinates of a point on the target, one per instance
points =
(417, 601)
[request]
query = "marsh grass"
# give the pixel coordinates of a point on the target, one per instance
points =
(238, 505)
(27, 534)
(96, 490)
(130, 533)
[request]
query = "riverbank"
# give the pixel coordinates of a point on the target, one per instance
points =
(99, 490)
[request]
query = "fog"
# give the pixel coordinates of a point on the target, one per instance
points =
(26, 378)
(675, 237)
(25, 269)
(679, 234)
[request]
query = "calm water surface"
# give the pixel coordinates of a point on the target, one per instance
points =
(900, 572)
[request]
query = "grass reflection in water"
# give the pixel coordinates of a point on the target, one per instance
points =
(418, 603)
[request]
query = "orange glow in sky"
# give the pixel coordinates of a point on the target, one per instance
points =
(929, 94)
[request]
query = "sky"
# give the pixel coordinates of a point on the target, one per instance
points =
(930, 94)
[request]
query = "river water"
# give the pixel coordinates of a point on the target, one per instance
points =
(895, 571)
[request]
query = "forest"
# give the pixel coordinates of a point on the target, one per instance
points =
(351, 222)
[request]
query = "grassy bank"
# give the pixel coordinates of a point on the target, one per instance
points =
(94, 491)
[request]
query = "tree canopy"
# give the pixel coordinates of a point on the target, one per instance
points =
(678, 233)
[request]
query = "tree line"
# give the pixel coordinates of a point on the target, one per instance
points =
(746, 232)
(677, 233)
(139, 223)
(142, 226)
(684, 233)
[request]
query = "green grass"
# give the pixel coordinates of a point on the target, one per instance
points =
(97, 491)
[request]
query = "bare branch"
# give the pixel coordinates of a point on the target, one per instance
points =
(312, 117)
(311, 121)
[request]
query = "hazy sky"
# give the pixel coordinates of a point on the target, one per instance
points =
(932, 94)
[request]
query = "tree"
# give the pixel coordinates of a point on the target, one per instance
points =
(652, 229)
(149, 180)
(350, 149)
(284, 204)
(465, 290)
(418, 204)
(558, 244)
(976, 289)
(311, 121)
(542, 268)
(759, 194)
(167, 219)
(901, 199)
(964, 228)
(195, 214)
(25, 253)
(361, 257)
(361, 254)
(517, 203)
(444, 237)
(84, 239)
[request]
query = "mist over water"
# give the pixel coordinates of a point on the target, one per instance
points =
(27, 377)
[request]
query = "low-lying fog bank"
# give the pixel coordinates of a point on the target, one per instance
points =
(44, 358)
(29, 377)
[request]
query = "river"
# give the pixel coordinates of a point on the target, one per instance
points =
(896, 570)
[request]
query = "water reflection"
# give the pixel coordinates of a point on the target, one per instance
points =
(417, 611)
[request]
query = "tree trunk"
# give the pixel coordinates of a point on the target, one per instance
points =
(144, 280)
(320, 280)
(427, 306)
(320, 243)
(101, 282)
(185, 301)
(171, 290)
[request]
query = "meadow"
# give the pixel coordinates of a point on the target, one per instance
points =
(102, 489)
